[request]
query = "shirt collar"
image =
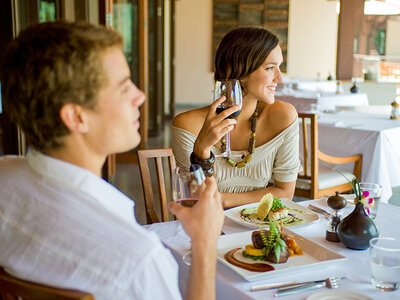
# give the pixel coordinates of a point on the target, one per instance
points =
(83, 181)
(59, 170)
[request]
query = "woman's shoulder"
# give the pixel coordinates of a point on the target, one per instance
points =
(281, 115)
(191, 120)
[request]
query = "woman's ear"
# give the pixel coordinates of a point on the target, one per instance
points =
(74, 118)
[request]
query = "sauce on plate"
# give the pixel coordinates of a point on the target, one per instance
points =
(254, 267)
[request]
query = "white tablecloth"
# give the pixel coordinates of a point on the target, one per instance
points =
(374, 135)
(328, 86)
(318, 86)
(356, 268)
(302, 100)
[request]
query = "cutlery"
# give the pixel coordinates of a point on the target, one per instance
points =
(319, 210)
(331, 282)
(273, 285)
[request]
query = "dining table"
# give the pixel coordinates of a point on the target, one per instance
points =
(372, 134)
(301, 84)
(316, 85)
(305, 100)
(354, 267)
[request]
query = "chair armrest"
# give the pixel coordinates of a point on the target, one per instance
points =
(339, 159)
(357, 159)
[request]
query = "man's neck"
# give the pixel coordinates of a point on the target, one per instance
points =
(79, 156)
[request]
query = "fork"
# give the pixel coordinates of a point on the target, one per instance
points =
(331, 282)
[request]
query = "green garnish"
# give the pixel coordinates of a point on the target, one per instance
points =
(277, 204)
(273, 242)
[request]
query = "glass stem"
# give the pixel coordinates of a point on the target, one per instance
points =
(228, 145)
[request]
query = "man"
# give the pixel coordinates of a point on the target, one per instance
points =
(68, 88)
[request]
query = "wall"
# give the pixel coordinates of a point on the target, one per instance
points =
(311, 45)
(193, 76)
(312, 38)
(392, 38)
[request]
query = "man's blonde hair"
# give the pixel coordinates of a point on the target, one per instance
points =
(49, 65)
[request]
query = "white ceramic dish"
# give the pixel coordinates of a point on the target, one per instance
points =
(297, 210)
(314, 255)
(335, 295)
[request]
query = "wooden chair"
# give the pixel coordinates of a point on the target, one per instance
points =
(318, 179)
(12, 288)
(157, 155)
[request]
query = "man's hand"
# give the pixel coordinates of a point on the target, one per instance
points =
(202, 222)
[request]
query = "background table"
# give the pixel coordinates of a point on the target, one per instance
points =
(303, 100)
(355, 268)
(374, 135)
(308, 85)
(316, 85)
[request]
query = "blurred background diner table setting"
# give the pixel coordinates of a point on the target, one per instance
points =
(358, 126)
(370, 133)
(302, 100)
(326, 94)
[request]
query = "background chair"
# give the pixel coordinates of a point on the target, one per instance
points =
(150, 205)
(12, 288)
(318, 179)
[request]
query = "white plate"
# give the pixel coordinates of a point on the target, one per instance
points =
(334, 295)
(296, 209)
(314, 255)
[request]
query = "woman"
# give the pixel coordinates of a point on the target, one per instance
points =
(253, 56)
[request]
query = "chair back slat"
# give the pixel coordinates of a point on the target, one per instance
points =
(13, 288)
(157, 154)
(151, 214)
(161, 189)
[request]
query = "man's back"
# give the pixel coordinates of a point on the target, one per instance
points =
(56, 228)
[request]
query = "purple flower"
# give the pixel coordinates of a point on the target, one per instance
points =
(365, 194)
(366, 210)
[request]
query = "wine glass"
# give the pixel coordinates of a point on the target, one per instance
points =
(187, 187)
(232, 91)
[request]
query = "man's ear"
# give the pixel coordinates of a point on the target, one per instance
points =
(74, 118)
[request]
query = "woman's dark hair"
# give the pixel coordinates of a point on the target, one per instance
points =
(242, 51)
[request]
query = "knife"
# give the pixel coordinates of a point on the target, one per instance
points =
(319, 210)
(274, 285)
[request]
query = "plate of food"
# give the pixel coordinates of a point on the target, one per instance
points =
(257, 214)
(263, 254)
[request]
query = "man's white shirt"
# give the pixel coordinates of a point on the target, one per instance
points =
(64, 226)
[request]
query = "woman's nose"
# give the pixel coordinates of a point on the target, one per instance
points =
(278, 76)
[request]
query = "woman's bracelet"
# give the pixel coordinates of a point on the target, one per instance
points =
(206, 164)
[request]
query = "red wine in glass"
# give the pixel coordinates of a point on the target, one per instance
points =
(187, 202)
(233, 96)
(187, 187)
(220, 109)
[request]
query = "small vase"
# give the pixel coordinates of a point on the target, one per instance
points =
(357, 229)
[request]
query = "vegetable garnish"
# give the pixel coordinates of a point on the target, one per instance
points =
(273, 242)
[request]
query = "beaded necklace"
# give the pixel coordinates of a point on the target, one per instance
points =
(252, 143)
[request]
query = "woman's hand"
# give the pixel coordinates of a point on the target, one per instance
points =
(214, 128)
